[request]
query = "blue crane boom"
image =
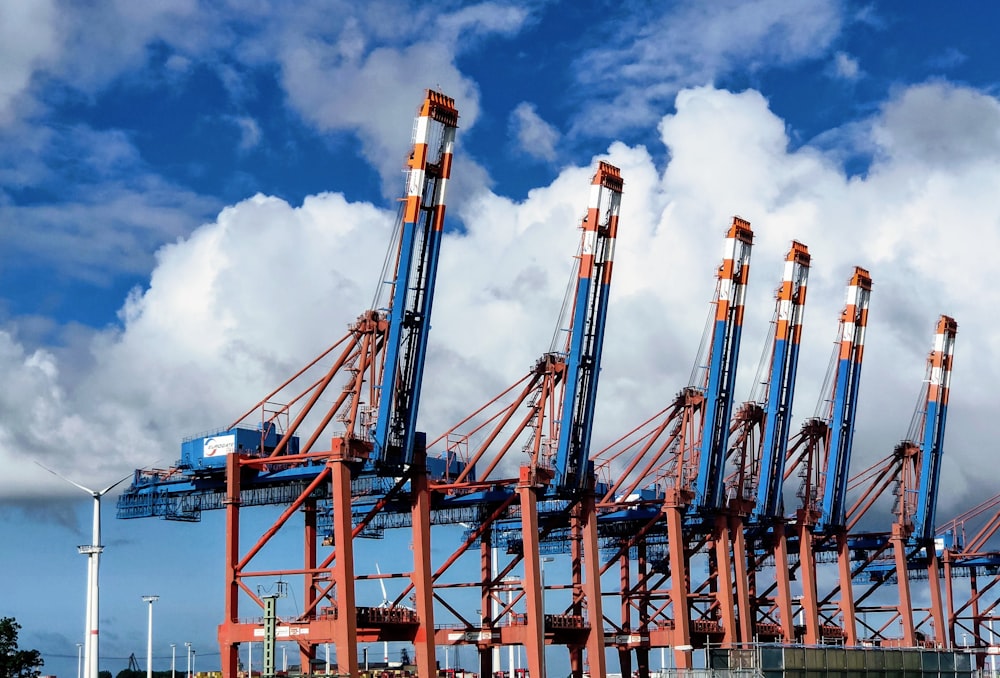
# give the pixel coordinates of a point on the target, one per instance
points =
(850, 351)
(413, 286)
(935, 414)
(586, 340)
(725, 348)
(781, 384)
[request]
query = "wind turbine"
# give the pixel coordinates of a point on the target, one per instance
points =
(93, 553)
(385, 603)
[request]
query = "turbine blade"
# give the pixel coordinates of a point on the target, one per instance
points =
(62, 477)
(114, 485)
(381, 582)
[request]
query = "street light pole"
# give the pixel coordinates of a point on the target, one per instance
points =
(188, 646)
(149, 635)
(173, 660)
(79, 659)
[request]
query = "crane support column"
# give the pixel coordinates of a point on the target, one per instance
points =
(592, 586)
(846, 591)
(810, 595)
(899, 551)
(727, 604)
(678, 582)
(227, 644)
(783, 583)
(307, 651)
(422, 572)
(745, 615)
(345, 623)
(535, 645)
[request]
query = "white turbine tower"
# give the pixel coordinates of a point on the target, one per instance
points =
(93, 553)
(385, 603)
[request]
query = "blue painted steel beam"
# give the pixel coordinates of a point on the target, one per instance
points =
(709, 485)
(585, 346)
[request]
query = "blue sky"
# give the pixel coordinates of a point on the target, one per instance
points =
(195, 199)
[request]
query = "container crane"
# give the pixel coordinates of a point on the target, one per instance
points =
(559, 395)
(918, 538)
(714, 513)
(379, 459)
(397, 446)
(822, 516)
(912, 469)
(767, 525)
(665, 509)
(755, 466)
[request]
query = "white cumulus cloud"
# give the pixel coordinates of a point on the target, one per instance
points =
(27, 42)
(532, 134)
